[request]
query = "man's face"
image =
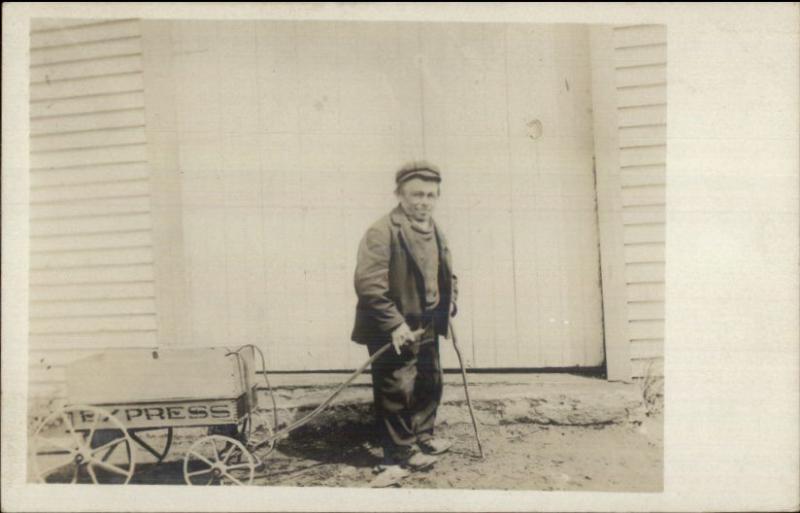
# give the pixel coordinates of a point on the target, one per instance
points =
(418, 198)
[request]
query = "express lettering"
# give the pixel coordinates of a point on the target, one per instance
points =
(175, 412)
(156, 413)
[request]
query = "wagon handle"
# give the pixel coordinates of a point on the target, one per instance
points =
(324, 404)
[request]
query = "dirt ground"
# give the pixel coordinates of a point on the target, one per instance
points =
(625, 457)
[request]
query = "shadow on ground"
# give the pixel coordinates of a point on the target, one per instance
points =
(340, 439)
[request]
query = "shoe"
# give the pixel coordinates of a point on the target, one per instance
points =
(420, 461)
(388, 475)
(435, 445)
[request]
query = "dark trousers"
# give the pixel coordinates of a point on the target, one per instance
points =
(407, 389)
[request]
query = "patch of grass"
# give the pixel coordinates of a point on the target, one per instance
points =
(651, 386)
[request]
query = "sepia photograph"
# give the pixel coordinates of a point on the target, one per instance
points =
(321, 256)
(346, 254)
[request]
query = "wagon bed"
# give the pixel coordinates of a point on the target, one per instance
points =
(116, 400)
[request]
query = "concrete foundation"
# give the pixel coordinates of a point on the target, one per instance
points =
(555, 399)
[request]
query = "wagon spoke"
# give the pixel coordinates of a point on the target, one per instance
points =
(216, 450)
(57, 443)
(199, 472)
(238, 466)
(92, 429)
(224, 473)
(71, 429)
(91, 473)
(110, 468)
(113, 448)
(50, 469)
(202, 458)
(228, 453)
(111, 444)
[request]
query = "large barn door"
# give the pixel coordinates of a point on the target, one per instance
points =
(287, 136)
(507, 114)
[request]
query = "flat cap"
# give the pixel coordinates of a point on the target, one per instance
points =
(418, 169)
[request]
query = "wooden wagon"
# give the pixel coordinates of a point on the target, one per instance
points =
(132, 401)
(116, 401)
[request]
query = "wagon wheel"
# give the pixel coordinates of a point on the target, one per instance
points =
(158, 445)
(83, 444)
(218, 459)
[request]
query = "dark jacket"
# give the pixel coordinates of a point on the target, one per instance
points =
(389, 281)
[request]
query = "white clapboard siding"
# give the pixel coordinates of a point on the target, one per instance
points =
(644, 252)
(639, 95)
(641, 55)
(62, 348)
(645, 291)
(643, 215)
(87, 225)
(99, 154)
(629, 76)
(639, 36)
(640, 63)
(646, 310)
(643, 196)
(640, 233)
(86, 87)
(95, 274)
(642, 134)
(80, 308)
(89, 175)
(84, 69)
(91, 258)
(87, 138)
(642, 116)
(647, 328)
(91, 248)
(83, 33)
(108, 103)
(88, 291)
(104, 49)
(92, 324)
(642, 176)
(90, 192)
(646, 272)
(89, 242)
(645, 348)
(128, 206)
(48, 25)
(645, 155)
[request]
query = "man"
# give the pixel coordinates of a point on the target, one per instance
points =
(406, 293)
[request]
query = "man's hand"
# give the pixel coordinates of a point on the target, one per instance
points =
(402, 335)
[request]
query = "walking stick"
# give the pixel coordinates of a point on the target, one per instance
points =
(466, 387)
